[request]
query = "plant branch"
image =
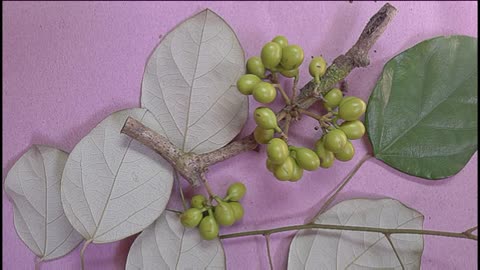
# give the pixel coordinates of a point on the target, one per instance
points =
(191, 166)
(177, 182)
(350, 228)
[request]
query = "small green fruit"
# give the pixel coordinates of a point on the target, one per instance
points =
(292, 57)
(347, 152)
(277, 151)
(198, 201)
(223, 213)
(264, 92)
(208, 228)
(236, 191)
(281, 40)
(353, 129)
(326, 157)
(271, 55)
(333, 97)
(246, 83)
(351, 109)
(335, 140)
(284, 171)
(191, 218)
(237, 210)
(317, 68)
(256, 67)
(307, 159)
(265, 118)
(263, 136)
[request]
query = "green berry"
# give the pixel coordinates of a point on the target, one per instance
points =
(191, 218)
(208, 228)
(347, 152)
(353, 129)
(246, 83)
(335, 140)
(333, 97)
(317, 68)
(326, 157)
(277, 151)
(292, 57)
(351, 109)
(265, 118)
(284, 171)
(345, 99)
(256, 67)
(270, 166)
(263, 136)
(264, 92)
(307, 159)
(198, 201)
(297, 173)
(281, 40)
(289, 73)
(237, 210)
(223, 213)
(236, 191)
(271, 55)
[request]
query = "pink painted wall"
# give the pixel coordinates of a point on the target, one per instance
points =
(69, 65)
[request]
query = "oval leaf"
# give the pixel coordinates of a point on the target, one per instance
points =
(167, 244)
(33, 184)
(113, 186)
(329, 249)
(190, 84)
(422, 114)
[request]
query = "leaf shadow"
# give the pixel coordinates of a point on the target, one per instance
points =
(122, 250)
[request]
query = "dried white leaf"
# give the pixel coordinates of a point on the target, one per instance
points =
(113, 186)
(33, 184)
(190, 84)
(329, 249)
(167, 244)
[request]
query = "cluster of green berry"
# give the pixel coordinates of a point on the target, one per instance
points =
(335, 143)
(208, 217)
(276, 56)
(288, 162)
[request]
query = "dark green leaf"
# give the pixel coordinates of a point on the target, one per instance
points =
(422, 115)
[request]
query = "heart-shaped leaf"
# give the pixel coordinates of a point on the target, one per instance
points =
(113, 186)
(190, 84)
(167, 244)
(329, 249)
(422, 114)
(33, 184)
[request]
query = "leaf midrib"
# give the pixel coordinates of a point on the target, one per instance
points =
(193, 82)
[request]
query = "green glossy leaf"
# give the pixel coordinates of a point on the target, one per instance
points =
(422, 115)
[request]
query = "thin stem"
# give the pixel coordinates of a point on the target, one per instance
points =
(281, 115)
(82, 253)
(207, 187)
(294, 88)
(284, 94)
(287, 124)
(471, 230)
(267, 240)
(311, 114)
(349, 228)
(395, 251)
(345, 181)
(38, 261)
(177, 181)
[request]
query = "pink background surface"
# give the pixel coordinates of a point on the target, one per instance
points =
(69, 65)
